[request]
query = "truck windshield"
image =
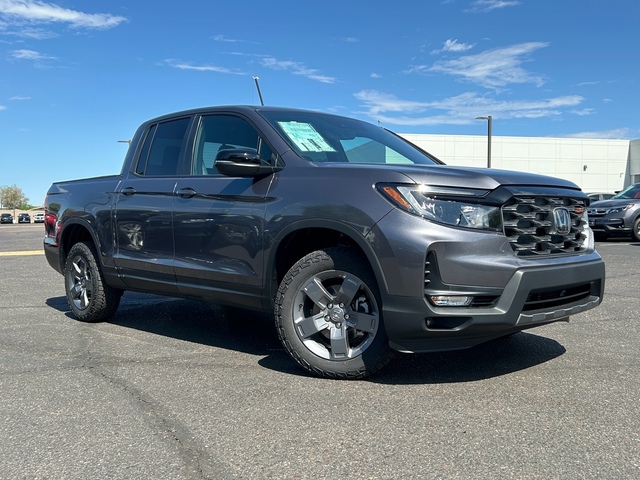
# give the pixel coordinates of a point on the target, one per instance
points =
(319, 137)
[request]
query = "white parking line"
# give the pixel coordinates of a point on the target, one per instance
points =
(24, 252)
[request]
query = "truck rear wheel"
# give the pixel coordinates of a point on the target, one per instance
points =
(90, 298)
(328, 315)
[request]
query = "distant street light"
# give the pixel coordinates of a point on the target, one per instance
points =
(489, 120)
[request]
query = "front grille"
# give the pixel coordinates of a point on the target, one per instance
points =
(597, 212)
(530, 227)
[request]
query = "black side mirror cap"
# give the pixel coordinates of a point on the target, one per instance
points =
(243, 162)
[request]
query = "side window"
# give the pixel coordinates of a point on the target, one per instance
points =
(221, 132)
(161, 149)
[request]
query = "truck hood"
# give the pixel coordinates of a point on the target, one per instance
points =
(466, 177)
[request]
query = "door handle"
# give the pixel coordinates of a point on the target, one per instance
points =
(186, 192)
(128, 191)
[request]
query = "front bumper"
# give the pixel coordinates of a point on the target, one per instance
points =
(419, 259)
(609, 226)
(413, 325)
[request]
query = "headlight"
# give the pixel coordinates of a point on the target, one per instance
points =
(451, 206)
(620, 209)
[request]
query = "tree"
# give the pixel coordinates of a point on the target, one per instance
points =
(12, 197)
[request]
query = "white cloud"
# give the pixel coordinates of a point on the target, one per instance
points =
(379, 102)
(490, 5)
(459, 110)
(583, 112)
(17, 97)
(375, 75)
(296, 68)
(41, 12)
(614, 134)
(200, 68)
(25, 54)
(453, 46)
(27, 32)
(2, 107)
(495, 68)
(222, 38)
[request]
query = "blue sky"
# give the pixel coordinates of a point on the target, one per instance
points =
(77, 76)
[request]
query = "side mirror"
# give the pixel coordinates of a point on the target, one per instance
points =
(242, 162)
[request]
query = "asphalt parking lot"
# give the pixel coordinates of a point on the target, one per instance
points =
(173, 389)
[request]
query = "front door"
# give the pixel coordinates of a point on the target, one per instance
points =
(219, 221)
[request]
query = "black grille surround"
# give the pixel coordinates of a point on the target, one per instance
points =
(554, 298)
(528, 223)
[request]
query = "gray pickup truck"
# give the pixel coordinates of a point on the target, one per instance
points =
(360, 243)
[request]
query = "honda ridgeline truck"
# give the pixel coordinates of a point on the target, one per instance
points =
(361, 243)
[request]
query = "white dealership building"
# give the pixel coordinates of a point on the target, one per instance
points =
(596, 165)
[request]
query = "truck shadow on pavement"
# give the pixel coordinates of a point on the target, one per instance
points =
(254, 333)
(488, 360)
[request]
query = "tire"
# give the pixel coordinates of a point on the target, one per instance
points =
(329, 318)
(635, 233)
(90, 298)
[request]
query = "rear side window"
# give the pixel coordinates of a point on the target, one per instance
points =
(160, 154)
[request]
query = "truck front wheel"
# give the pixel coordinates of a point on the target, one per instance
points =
(90, 298)
(329, 318)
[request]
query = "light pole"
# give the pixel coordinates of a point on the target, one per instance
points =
(489, 120)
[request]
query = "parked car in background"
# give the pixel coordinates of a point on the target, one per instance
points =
(38, 218)
(618, 216)
(596, 196)
(24, 218)
(6, 218)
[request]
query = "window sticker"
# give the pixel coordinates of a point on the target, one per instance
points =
(305, 137)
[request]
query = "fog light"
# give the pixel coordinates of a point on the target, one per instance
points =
(451, 300)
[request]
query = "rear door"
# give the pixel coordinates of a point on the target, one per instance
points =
(219, 220)
(143, 218)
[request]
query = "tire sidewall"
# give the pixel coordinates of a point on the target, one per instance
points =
(104, 300)
(377, 353)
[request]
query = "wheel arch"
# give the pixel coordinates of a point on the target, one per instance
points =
(307, 236)
(75, 231)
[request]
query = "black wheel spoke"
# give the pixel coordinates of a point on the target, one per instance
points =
(348, 289)
(309, 326)
(84, 299)
(76, 291)
(314, 289)
(339, 343)
(78, 267)
(363, 322)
